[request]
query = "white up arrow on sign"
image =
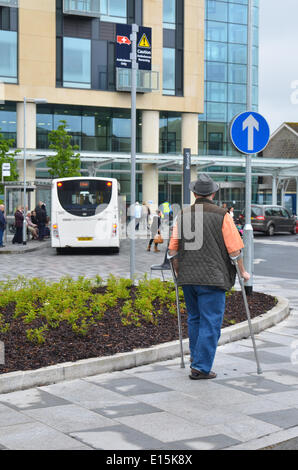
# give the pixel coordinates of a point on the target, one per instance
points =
(250, 123)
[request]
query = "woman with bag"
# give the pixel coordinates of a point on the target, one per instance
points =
(155, 232)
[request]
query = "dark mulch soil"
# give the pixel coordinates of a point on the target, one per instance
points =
(109, 336)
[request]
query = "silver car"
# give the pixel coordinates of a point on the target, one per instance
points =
(270, 219)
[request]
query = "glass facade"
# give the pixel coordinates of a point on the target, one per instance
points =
(92, 129)
(8, 121)
(226, 72)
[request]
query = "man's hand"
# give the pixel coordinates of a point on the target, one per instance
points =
(245, 275)
(175, 265)
(174, 260)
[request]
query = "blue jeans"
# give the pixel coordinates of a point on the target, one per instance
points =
(205, 310)
(1, 236)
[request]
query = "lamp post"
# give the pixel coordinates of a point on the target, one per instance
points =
(36, 101)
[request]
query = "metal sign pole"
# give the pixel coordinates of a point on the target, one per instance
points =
(248, 230)
(186, 175)
(25, 200)
(134, 66)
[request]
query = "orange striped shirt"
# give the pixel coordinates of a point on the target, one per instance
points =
(230, 234)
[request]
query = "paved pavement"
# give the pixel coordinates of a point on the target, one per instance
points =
(156, 406)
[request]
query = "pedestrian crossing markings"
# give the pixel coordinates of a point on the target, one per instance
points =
(144, 41)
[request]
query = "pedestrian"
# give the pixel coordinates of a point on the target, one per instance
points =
(2, 224)
(231, 212)
(155, 229)
(33, 217)
(166, 211)
(31, 227)
(204, 270)
(19, 219)
(138, 215)
(41, 218)
(145, 216)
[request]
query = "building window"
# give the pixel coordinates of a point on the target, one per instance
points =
(108, 10)
(217, 91)
(217, 31)
(237, 13)
(237, 53)
(215, 143)
(173, 47)
(237, 93)
(216, 51)
(8, 121)
(217, 71)
(92, 129)
(8, 54)
(170, 132)
(113, 10)
(238, 33)
(237, 73)
(169, 14)
(217, 11)
(76, 63)
(169, 66)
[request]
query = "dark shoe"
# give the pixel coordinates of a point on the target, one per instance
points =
(198, 375)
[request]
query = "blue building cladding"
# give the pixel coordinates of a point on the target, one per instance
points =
(226, 71)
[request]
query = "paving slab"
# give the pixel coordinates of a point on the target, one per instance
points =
(156, 406)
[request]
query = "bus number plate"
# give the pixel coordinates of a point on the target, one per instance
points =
(85, 239)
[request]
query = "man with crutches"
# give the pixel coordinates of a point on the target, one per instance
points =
(203, 240)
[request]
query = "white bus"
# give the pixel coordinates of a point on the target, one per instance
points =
(85, 213)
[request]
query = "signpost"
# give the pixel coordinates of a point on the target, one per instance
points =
(124, 46)
(133, 51)
(186, 175)
(5, 170)
(250, 134)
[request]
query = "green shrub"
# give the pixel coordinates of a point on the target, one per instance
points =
(79, 304)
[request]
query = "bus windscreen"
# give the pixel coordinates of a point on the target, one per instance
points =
(84, 198)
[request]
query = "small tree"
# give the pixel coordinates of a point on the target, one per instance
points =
(64, 163)
(5, 157)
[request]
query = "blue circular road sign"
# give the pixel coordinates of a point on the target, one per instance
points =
(249, 132)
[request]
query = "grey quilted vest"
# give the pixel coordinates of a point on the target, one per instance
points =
(210, 264)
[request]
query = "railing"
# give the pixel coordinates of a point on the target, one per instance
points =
(147, 80)
(82, 7)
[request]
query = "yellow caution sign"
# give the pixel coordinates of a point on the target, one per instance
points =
(144, 42)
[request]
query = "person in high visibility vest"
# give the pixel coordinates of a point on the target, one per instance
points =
(166, 209)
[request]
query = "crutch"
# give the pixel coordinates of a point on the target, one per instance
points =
(235, 262)
(182, 365)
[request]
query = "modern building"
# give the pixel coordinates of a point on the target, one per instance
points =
(64, 52)
(58, 56)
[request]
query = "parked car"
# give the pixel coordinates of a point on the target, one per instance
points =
(270, 219)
